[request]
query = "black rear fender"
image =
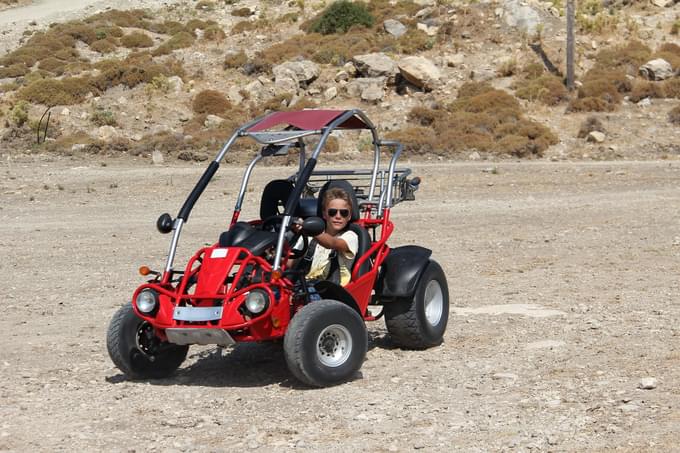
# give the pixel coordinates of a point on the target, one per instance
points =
(400, 272)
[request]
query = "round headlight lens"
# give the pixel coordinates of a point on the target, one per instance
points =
(146, 301)
(257, 301)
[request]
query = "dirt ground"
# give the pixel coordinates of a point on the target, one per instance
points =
(562, 290)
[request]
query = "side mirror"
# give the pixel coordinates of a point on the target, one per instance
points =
(164, 223)
(313, 226)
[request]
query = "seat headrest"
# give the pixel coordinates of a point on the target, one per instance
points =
(274, 198)
(347, 187)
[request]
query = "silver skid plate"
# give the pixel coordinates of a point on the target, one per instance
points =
(190, 335)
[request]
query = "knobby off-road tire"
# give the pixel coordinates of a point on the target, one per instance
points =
(420, 323)
(127, 334)
(325, 343)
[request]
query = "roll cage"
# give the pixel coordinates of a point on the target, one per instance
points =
(377, 189)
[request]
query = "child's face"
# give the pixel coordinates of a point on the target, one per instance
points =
(336, 222)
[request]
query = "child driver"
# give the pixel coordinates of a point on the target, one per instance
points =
(336, 246)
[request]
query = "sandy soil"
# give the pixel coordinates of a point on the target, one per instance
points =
(563, 298)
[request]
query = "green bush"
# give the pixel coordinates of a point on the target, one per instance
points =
(341, 16)
(19, 114)
(103, 117)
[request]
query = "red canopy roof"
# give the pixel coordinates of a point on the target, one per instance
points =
(307, 120)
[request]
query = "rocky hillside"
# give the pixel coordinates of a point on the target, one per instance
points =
(451, 79)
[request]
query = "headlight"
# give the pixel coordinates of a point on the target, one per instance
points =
(146, 301)
(257, 301)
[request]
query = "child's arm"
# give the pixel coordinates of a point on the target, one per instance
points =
(332, 242)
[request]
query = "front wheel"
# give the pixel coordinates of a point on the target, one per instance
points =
(137, 351)
(420, 323)
(325, 343)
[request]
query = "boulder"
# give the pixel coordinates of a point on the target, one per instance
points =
(304, 71)
(521, 16)
(394, 27)
(376, 65)
(596, 137)
(256, 89)
(213, 121)
(663, 3)
(285, 85)
(420, 72)
(658, 69)
(107, 133)
(430, 30)
(176, 84)
(357, 87)
(330, 93)
(373, 94)
(425, 2)
(341, 75)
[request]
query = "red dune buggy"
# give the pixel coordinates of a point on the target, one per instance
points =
(242, 288)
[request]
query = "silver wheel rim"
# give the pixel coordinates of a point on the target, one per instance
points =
(334, 345)
(434, 302)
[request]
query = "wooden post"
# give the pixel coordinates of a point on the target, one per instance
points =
(570, 44)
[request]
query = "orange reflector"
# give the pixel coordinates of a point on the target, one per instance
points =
(276, 275)
(144, 270)
(276, 322)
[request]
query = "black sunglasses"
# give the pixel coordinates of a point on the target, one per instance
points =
(332, 212)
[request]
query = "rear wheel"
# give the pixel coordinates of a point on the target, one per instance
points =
(137, 351)
(325, 343)
(420, 323)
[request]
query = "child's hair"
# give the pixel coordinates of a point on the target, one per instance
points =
(335, 193)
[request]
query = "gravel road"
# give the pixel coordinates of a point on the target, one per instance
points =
(564, 304)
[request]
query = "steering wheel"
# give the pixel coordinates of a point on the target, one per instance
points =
(273, 224)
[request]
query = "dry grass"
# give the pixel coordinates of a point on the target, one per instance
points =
(214, 33)
(104, 46)
(482, 119)
(671, 53)
(242, 12)
(210, 102)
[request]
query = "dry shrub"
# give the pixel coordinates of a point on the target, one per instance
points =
(15, 70)
(214, 33)
(411, 42)
(136, 40)
(675, 28)
(247, 25)
(53, 65)
(109, 31)
(671, 53)
(674, 115)
(601, 91)
(672, 87)
(104, 46)
(135, 18)
(235, 60)
(482, 119)
(532, 71)
(646, 89)
(210, 102)
(591, 124)
(72, 90)
(628, 58)
(547, 89)
(507, 68)
(134, 70)
(195, 24)
(320, 48)
(242, 12)
(181, 40)
(77, 30)
(471, 89)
